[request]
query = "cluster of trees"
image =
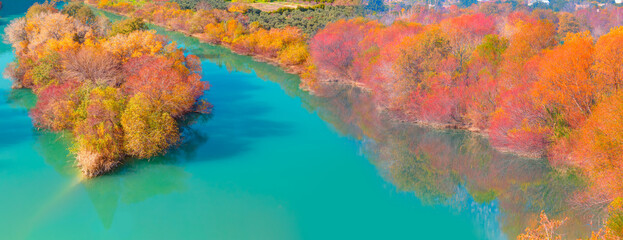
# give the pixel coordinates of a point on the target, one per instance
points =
(285, 45)
(202, 4)
(600, 20)
(320, 1)
(280, 36)
(124, 6)
(179, 13)
(265, 1)
(534, 81)
(309, 20)
(120, 92)
(192, 4)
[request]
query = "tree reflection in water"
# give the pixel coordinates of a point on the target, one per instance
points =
(454, 168)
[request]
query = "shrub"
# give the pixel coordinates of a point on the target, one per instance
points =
(148, 131)
(127, 26)
(79, 11)
(88, 65)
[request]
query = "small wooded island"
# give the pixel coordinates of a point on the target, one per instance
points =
(120, 89)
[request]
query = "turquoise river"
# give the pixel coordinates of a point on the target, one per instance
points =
(273, 162)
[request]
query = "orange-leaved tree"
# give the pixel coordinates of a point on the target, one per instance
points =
(566, 89)
(599, 148)
(608, 58)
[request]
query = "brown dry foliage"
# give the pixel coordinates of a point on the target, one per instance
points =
(546, 230)
(94, 66)
(93, 164)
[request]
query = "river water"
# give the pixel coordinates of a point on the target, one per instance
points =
(274, 162)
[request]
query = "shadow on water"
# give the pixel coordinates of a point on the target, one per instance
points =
(136, 181)
(241, 123)
(53, 146)
(21, 98)
(228, 140)
(15, 114)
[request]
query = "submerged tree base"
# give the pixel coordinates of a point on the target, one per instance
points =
(93, 164)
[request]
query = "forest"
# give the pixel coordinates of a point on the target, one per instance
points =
(280, 36)
(120, 90)
(538, 82)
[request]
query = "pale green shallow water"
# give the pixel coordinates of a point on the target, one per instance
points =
(272, 162)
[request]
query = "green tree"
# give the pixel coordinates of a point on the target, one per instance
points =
(79, 11)
(148, 132)
(127, 26)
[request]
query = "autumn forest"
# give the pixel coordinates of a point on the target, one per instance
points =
(540, 81)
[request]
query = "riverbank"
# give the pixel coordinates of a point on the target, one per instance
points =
(300, 70)
(292, 69)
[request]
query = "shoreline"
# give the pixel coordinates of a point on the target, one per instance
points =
(392, 116)
(297, 70)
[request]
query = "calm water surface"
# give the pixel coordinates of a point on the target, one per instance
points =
(273, 162)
